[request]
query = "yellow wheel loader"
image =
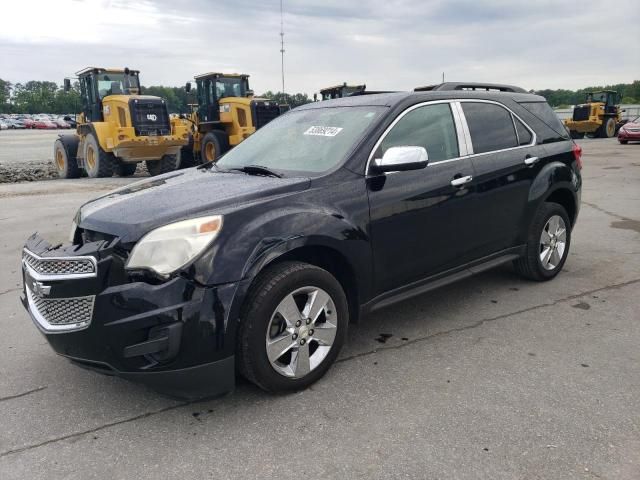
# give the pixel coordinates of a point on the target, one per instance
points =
(118, 127)
(226, 114)
(599, 116)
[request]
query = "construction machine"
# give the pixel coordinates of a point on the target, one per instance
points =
(339, 91)
(118, 127)
(599, 116)
(226, 113)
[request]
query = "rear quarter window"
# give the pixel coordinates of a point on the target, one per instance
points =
(543, 112)
(490, 126)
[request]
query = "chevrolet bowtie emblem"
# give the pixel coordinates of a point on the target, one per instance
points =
(40, 289)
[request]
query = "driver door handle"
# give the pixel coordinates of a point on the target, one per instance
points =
(458, 182)
(531, 160)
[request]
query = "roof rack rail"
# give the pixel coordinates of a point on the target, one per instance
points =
(490, 87)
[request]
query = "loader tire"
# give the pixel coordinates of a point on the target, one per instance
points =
(608, 128)
(212, 147)
(97, 162)
(126, 169)
(64, 157)
(168, 163)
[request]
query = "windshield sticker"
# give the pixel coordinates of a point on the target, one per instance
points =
(323, 131)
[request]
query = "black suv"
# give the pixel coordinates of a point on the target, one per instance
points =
(258, 263)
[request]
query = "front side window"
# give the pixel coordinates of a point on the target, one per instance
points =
(116, 83)
(431, 127)
(490, 126)
(305, 141)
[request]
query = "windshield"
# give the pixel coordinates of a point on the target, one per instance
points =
(305, 141)
(116, 83)
(230, 87)
(597, 97)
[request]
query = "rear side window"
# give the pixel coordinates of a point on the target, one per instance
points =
(490, 126)
(545, 114)
(430, 127)
(524, 135)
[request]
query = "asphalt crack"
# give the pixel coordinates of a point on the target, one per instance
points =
(615, 215)
(23, 394)
(404, 344)
(484, 321)
(4, 292)
(91, 430)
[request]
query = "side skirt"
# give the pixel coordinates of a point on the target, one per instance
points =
(441, 279)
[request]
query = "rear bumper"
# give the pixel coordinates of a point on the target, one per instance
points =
(175, 337)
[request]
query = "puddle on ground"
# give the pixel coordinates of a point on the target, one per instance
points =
(627, 224)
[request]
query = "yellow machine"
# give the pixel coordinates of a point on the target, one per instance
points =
(118, 127)
(599, 116)
(226, 114)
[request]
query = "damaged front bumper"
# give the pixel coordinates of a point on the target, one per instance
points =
(174, 336)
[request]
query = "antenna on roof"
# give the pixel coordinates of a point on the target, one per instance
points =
(282, 44)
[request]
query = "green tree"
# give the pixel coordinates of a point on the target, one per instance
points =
(5, 96)
(294, 100)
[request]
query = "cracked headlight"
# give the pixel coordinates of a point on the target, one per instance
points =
(169, 248)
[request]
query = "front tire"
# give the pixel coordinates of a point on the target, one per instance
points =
(548, 243)
(97, 162)
(65, 161)
(608, 128)
(210, 148)
(292, 326)
(576, 135)
(623, 142)
(168, 163)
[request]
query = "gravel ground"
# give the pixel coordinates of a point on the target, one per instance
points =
(27, 155)
(490, 378)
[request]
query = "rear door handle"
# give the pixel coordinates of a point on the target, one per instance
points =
(531, 160)
(458, 182)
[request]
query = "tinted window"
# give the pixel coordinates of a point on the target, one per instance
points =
(545, 113)
(430, 127)
(490, 126)
(524, 135)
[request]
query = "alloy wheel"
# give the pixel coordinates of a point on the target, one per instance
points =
(553, 242)
(301, 331)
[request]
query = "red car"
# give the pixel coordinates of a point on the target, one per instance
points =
(28, 123)
(630, 131)
(44, 124)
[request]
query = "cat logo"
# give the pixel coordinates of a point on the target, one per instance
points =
(152, 116)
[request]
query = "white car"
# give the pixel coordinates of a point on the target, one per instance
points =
(3, 125)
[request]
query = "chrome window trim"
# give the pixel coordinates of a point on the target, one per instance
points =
(45, 326)
(47, 277)
(456, 107)
(534, 137)
(398, 118)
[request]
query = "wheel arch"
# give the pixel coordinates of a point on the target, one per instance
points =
(565, 197)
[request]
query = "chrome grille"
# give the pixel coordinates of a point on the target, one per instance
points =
(74, 267)
(61, 313)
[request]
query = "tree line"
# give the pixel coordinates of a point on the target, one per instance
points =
(49, 97)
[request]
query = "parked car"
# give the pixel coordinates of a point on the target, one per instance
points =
(14, 123)
(259, 262)
(29, 123)
(60, 123)
(4, 125)
(44, 124)
(70, 120)
(630, 131)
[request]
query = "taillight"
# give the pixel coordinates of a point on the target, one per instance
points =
(577, 154)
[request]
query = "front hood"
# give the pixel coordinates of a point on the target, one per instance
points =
(138, 208)
(631, 125)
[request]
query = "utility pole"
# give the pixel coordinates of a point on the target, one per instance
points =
(442, 77)
(282, 44)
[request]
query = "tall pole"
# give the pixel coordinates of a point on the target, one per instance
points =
(282, 44)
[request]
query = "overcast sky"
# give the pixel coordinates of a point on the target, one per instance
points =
(387, 44)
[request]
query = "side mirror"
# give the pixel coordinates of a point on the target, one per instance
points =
(187, 87)
(67, 85)
(249, 93)
(397, 159)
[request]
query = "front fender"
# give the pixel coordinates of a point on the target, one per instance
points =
(250, 246)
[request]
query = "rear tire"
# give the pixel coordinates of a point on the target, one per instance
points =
(64, 158)
(547, 247)
(168, 163)
(97, 162)
(608, 128)
(126, 169)
(302, 348)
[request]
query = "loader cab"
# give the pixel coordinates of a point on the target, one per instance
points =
(98, 83)
(340, 91)
(608, 97)
(212, 87)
